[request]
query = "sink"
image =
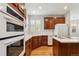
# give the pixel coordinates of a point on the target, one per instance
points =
(74, 37)
(62, 37)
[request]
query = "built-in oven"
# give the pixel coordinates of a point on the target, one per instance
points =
(16, 48)
(13, 32)
(13, 13)
(11, 27)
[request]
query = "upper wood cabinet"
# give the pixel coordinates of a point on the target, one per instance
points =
(59, 20)
(50, 22)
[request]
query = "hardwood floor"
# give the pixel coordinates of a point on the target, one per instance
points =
(42, 51)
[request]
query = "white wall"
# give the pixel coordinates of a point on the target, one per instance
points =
(3, 6)
(74, 12)
(2, 21)
(67, 18)
(67, 21)
(74, 21)
(3, 50)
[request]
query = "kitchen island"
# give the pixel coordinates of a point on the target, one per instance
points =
(65, 47)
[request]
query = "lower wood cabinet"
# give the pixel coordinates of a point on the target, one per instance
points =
(65, 49)
(60, 49)
(55, 47)
(28, 47)
(35, 42)
(39, 41)
(44, 40)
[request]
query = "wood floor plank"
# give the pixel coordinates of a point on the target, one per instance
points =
(42, 51)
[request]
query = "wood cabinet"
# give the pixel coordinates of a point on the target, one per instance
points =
(50, 22)
(73, 49)
(35, 42)
(44, 40)
(38, 41)
(28, 47)
(65, 49)
(55, 48)
(60, 20)
(60, 49)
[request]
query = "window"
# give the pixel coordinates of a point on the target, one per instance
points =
(35, 26)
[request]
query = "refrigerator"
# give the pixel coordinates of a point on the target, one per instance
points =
(61, 30)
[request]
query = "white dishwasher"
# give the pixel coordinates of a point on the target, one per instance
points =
(50, 39)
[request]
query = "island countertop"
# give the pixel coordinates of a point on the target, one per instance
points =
(67, 40)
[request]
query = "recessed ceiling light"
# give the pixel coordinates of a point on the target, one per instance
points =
(65, 8)
(40, 7)
(34, 12)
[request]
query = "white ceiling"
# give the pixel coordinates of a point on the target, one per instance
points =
(47, 8)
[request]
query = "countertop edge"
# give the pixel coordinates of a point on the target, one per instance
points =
(67, 40)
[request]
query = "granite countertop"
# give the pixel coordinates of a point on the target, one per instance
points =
(67, 40)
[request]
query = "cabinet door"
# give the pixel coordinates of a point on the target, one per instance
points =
(55, 48)
(62, 20)
(35, 42)
(51, 23)
(48, 23)
(59, 20)
(28, 47)
(39, 41)
(44, 40)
